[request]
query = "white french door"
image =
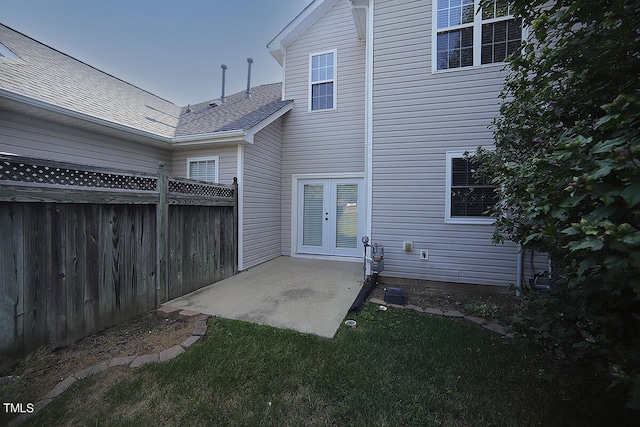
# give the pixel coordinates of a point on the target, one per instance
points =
(330, 216)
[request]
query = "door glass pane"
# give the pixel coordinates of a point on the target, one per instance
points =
(313, 215)
(347, 216)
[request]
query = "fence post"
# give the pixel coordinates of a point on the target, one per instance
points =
(236, 243)
(162, 216)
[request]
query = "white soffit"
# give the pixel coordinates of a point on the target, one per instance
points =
(299, 25)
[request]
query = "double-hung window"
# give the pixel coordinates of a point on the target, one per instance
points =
(466, 34)
(203, 168)
(468, 197)
(322, 81)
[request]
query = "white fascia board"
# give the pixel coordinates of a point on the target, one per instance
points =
(250, 134)
(298, 26)
(46, 106)
(239, 136)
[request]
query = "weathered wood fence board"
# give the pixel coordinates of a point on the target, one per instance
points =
(197, 247)
(75, 259)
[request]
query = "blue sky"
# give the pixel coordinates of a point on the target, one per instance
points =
(171, 49)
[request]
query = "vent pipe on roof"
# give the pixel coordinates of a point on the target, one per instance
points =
(247, 95)
(224, 71)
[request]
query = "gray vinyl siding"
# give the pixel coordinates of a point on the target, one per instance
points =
(330, 141)
(418, 117)
(227, 167)
(29, 136)
(261, 200)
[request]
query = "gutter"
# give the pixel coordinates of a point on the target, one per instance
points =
(218, 137)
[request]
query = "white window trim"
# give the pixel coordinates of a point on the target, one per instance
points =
(477, 37)
(334, 80)
(216, 159)
(447, 208)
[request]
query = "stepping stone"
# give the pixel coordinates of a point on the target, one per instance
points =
(36, 407)
(377, 301)
(41, 404)
(474, 319)
(188, 314)
(91, 370)
(434, 311)
(167, 311)
(121, 361)
(452, 313)
(143, 360)
(171, 353)
(415, 308)
(494, 327)
(61, 387)
(190, 341)
(200, 328)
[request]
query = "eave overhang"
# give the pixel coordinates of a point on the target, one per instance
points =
(45, 110)
(31, 106)
(359, 12)
(298, 26)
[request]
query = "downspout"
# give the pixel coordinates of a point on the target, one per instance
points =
(369, 118)
(368, 99)
(240, 172)
(519, 271)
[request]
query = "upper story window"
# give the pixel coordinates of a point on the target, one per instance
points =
(322, 81)
(468, 198)
(203, 168)
(464, 38)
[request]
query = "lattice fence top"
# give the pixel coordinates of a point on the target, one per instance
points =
(17, 171)
(41, 172)
(200, 189)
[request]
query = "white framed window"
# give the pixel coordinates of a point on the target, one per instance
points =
(322, 80)
(467, 197)
(203, 168)
(466, 34)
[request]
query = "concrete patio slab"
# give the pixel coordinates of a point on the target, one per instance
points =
(306, 295)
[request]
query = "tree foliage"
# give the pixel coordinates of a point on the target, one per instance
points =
(567, 166)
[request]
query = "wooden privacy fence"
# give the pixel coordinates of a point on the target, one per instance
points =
(83, 248)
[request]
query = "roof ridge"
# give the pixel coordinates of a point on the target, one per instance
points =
(88, 65)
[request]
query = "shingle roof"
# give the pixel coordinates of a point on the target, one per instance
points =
(48, 75)
(45, 74)
(234, 114)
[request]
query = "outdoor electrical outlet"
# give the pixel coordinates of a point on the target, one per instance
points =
(424, 254)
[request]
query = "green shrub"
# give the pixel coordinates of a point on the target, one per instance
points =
(567, 165)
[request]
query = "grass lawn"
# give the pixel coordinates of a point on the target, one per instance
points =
(395, 368)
